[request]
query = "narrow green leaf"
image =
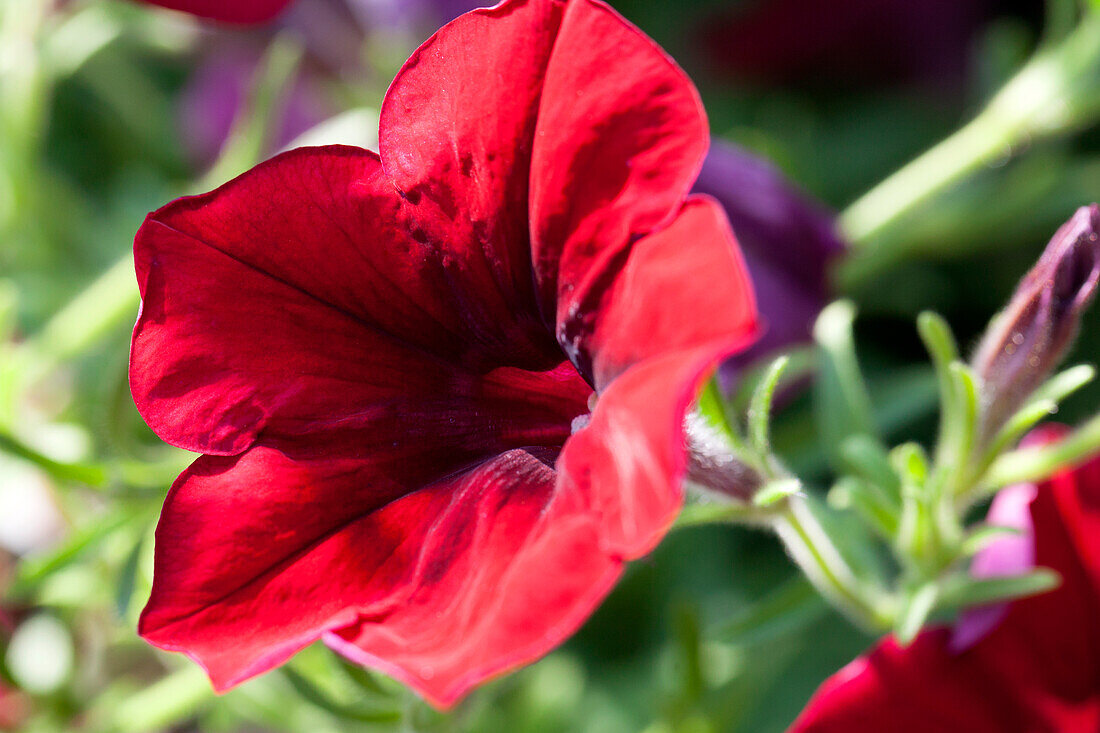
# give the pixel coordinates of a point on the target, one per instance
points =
(803, 364)
(714, 512)
(841, 401)
(689, 644)
(868, 502)
(983, 535)
(776, 491)
(938, 339)
(911, 463)
(761, 405)
(313, 694)
(164, 704)
(1037, 463)
(1025, 419)
(253, 131)
(86, 473)
(915, 612)
(868, 459)
(962, 591)
(713, 408)
(127, 577)
(791, 606)
(32, 571)
(1064, 383)
(962, 434)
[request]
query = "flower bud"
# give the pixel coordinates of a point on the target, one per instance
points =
(1031, 336)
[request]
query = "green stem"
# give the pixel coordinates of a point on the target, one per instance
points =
(1053, 93)
(814, 552)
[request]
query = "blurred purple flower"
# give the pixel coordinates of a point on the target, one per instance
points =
(787, 238)
(850, 42)
(334, 34)
(217, 91)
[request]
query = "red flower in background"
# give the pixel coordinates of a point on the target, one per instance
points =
(229, 11)
(1037, 671)
(389, 360)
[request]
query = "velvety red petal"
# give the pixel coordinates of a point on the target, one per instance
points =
(656, 304)
(259, 555)
(1037, 671)
(629, 460)
(229, 11)
(455, 136)
(292, 302)
(621, 137)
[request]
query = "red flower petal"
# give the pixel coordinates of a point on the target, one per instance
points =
(290, 302)
(229, 11)
(455, 137)
(366, 335)
(691, 267)
(651, 353)
(259, 555)
(1039, 670)
(621, 138)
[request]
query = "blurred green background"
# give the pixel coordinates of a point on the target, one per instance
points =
(110, 109)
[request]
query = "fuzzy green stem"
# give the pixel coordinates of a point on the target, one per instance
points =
(1053, 93)
(813, 551)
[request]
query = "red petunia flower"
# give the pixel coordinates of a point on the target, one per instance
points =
(1037, 671)
(228, 11)
(440, 390)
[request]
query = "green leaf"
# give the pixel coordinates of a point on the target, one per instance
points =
(963, 591)
(1025, 418)
(688, 639)
(761, 405)
(164, 704)
(841, 401)
(313, 694)
(790, 607)
(32, 571)
(982, 535)
(1040, 462)
(867, 458)
(914, 613)
(704, 512)
(868, 502)
(127, 578)
(776, 491)
(1064, 383)
(712, 406)
(86, 473)
(962, 434)
(911, 463)
(938, 339)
